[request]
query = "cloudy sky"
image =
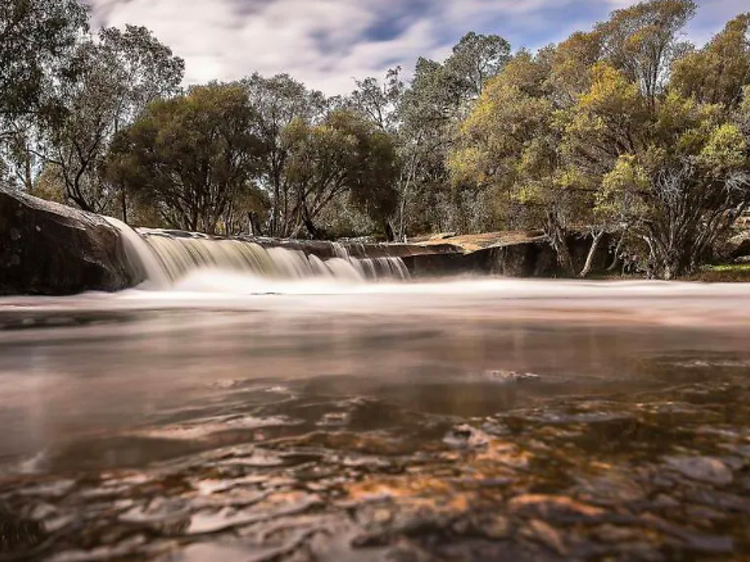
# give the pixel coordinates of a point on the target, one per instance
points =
(327, 43)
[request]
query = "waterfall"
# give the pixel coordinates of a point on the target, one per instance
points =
(139, 255)
(165, 257)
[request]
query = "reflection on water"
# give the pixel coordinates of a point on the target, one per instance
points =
(461, 421)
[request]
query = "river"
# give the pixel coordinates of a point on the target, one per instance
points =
(230, 418)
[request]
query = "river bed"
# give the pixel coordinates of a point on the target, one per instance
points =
(461, 420)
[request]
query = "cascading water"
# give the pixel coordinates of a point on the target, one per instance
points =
(166, 257)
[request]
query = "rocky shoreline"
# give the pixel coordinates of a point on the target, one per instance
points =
(50, 249)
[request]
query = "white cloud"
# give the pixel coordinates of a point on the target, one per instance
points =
(325, 43)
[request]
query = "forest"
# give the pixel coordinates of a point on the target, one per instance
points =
(624, 132)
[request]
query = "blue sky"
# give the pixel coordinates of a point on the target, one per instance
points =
(327, 43)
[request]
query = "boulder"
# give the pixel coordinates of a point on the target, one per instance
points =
(739, 245)
(51, 249)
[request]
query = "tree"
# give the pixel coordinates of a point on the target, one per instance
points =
(117, 76)
(510, 147)
(642, 41)
(670, 171)
(718, 72)
(379, 103)
(344, 155)
(35, 37)
(570, 65)
(477, 58)
(192, 157)
(36, 41)
(277, 101)
(690, 182)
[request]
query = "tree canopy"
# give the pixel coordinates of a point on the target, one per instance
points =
(624, 130)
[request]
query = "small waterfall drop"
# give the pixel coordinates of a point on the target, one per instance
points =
(139, 255)
(165, 257)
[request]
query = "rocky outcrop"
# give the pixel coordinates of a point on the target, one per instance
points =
(50, 249)
(515, 254)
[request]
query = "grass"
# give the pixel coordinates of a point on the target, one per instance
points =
(726, 273)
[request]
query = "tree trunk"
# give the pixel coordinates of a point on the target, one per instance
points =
(124, 203)
(618, 249)
(592, 252)
(28, 176)
(556, 235)
(390, 236)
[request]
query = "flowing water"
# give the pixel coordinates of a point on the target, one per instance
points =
(242, 413)
(166, 257)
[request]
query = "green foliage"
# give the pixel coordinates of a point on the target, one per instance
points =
(718, 72)
(623, 129)
(117, 75)
(35, 39)
(641, 41)
(191, 156)
(344, 155)
(598, 133)
(477, 58)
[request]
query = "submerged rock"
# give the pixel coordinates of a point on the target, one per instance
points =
(703, 469)
(51, 249)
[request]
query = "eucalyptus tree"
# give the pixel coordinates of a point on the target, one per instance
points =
(597, 133)
(510, 147)
(475, 59)
(117, 74)
(36, 37)
(193, 157)
(422, 117)
(277, 101)
(379, 102)
(719, 71)
(643, 41)
(36, 41)
(342, 156)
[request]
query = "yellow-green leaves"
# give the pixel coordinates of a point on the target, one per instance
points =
(611, 94)
(717, 72)
(623, 193)
(725, 150)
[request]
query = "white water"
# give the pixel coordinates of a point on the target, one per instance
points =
(167, 259)
(140, 255)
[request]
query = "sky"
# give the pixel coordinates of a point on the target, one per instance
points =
(328, 43)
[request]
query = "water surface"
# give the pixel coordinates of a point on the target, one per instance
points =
(231, 419)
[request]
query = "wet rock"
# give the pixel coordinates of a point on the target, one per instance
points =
(704, 515)
(721, 501)
(547, 535)
(334, 419)
(493, 526)
(50, 249)
(227, 518)
(552, 507)
(703, 469)
(615, 534)
(466, 436)
(664, 501)
(612, 488)
(711, 544)
(508, 377)
(18, 535)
